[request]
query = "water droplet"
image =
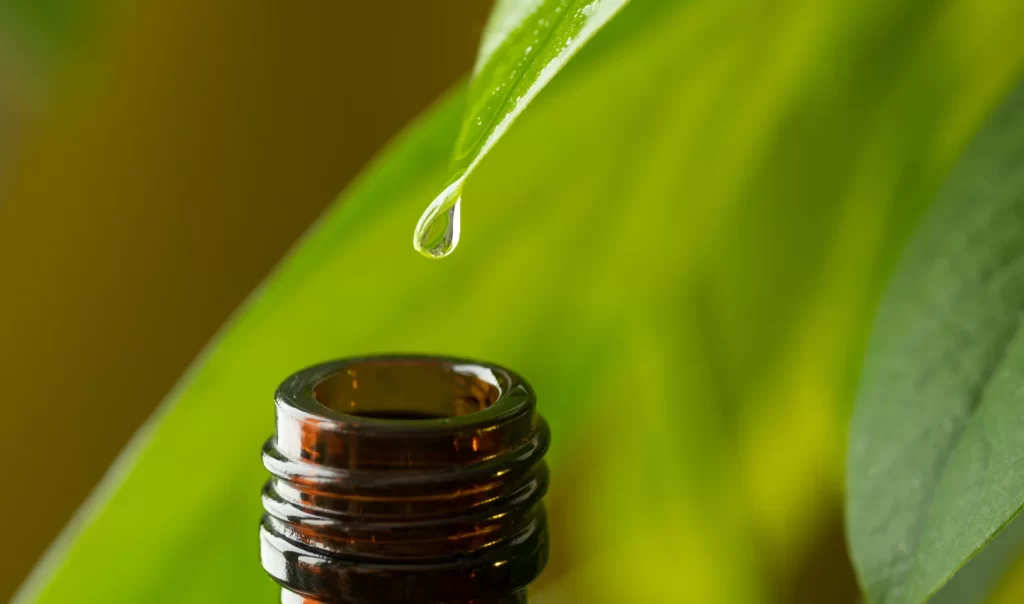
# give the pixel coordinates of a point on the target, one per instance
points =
(437, 232)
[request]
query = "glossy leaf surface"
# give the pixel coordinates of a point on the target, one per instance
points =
(525, 44)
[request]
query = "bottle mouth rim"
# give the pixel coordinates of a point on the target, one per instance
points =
(405, 509)
(511, 395)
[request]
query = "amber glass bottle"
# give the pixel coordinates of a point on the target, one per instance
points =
(405, 479)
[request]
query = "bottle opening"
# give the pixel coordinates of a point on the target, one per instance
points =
(400, 389)
(401, 508)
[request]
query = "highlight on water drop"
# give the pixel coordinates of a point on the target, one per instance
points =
(437, 232)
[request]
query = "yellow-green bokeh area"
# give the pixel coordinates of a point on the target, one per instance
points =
(156, 160)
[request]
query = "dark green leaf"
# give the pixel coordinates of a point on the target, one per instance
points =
(937, 438)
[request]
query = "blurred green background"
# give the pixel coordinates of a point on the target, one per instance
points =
(156, 160)
(680, 244)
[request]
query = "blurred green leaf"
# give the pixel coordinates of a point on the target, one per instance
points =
(678, 245)
(934, 466)
(525, 44)
(1011, 589)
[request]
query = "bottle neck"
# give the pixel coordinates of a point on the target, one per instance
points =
(519, 597)
(405, 479)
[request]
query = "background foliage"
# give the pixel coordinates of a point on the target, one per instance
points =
(153, 169)
(679, 243)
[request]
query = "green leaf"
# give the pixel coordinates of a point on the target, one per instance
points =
(678, 247)
(525, 43)
(934, 466)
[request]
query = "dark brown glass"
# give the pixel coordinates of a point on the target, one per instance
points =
(405, 479)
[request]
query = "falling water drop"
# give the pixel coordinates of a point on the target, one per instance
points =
(437, 232)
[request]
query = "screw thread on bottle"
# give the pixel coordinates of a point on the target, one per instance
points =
(405, 479)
